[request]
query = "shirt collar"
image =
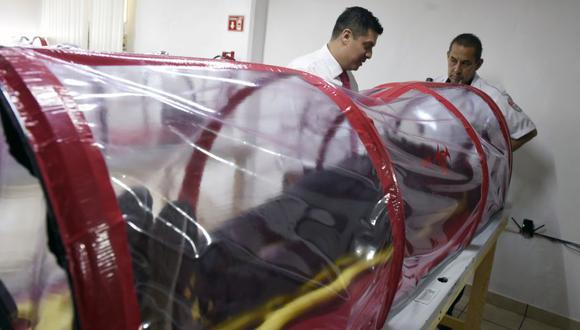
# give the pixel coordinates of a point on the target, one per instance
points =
(334, 68)
(475, 80)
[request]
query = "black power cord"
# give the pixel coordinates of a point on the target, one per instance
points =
(528, 230)
(524, 317)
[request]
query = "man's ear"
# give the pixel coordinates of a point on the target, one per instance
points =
(479, 63)
(346, 35)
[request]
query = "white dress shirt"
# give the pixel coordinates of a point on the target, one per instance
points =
(519, 124)
(321, 63)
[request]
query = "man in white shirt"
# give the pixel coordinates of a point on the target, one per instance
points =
(354, 35)
(463, 61)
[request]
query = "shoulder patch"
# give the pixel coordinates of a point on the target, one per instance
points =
(513, 104)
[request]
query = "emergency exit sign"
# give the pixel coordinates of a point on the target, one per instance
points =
(236, 23)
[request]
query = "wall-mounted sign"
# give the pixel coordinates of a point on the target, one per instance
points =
(236, 23)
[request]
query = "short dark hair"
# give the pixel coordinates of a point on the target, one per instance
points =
(468, 40)
(358, 20)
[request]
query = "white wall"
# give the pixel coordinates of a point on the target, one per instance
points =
(531, 48)
(19, 18)
(191, 28)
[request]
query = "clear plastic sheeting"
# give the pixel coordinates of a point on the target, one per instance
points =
(243, 207)
(452, 161)
(232, 213)
(34, 291)
(195, 193)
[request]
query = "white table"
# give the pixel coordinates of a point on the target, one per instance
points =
(429, 307)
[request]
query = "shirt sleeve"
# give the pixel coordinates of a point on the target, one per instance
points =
(519, 124)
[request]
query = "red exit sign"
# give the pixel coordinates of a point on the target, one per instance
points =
(236, 23)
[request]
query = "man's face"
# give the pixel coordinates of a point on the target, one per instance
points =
(359, 49)
(462, 64)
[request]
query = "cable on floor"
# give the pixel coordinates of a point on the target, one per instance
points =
(524, 317)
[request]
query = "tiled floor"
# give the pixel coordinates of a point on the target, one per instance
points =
(495, 318)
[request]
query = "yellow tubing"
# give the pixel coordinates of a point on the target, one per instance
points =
(279, 318)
